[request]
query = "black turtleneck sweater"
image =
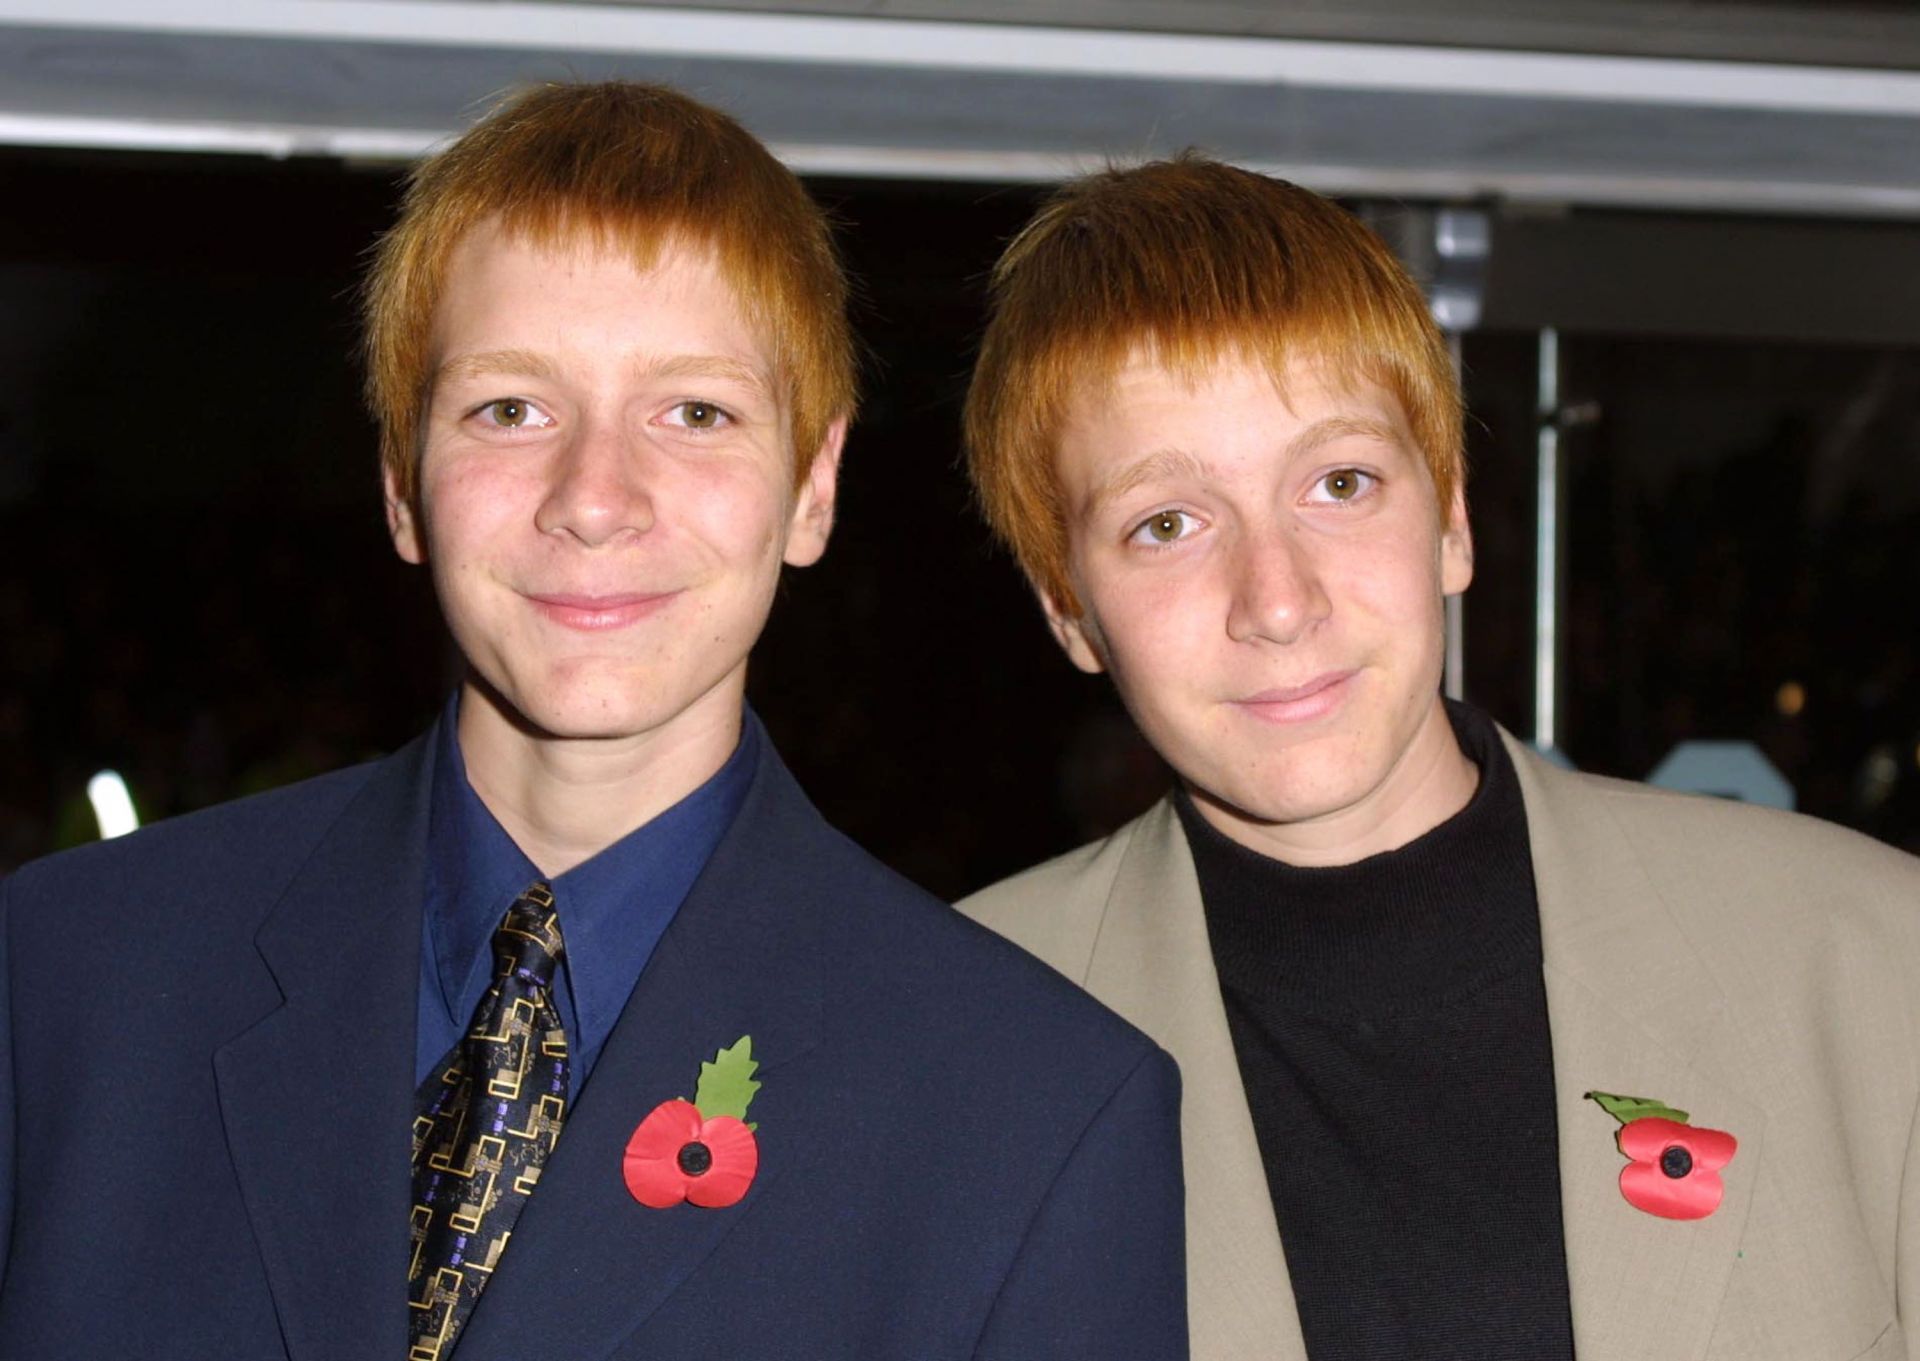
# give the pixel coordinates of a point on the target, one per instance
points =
(1390, 1021)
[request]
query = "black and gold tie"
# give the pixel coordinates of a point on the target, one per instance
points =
(487, 1118)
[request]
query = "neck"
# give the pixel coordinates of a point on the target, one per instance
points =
(1430, 782)
(564, 800)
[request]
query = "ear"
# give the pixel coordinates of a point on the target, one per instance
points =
(1077, 634)
(1456, 547)
(812, 522)
(408, 541)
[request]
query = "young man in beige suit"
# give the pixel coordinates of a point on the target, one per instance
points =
(1481, 1057)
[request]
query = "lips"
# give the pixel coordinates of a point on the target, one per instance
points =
(1298, 703)
(598, 613)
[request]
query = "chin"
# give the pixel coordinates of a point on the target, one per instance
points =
(577, 706)
(565, 725)
(1287, 792)
(1275, 809)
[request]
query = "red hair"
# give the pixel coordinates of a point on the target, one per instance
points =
(634, 167)
(1192, 262)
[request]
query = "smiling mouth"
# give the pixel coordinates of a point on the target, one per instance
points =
(598, 613)
(1299, 703)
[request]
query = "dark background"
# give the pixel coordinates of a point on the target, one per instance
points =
(197, 588)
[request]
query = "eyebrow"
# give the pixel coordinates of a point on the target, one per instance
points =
(711, 366)
(531, 364)
(1177, 463)
(1159, 465)
(1326, 431)
(494, 361)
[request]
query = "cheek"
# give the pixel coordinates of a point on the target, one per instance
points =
(468, 503)
(741, 514)
(1398, 580)
(1152, 631)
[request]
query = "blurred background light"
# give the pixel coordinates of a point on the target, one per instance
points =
(112, 804)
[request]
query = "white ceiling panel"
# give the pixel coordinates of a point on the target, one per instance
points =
(838, 93)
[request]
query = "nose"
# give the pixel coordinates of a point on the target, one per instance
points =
(597, 487)
(1278, 595)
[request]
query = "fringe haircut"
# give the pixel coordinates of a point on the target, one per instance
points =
(626, 166)
(1188, 262)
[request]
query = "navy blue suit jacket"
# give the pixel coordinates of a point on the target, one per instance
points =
(210, 1091)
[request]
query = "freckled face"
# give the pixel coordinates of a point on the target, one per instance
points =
(1263, 577)
(606, 482)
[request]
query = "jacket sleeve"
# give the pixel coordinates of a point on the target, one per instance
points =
(1102, 1269)
(6, 1083)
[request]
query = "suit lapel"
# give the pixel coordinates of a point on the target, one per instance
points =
(1634, 1010)
(742, 957)
(1152, 963)
(313, 1092)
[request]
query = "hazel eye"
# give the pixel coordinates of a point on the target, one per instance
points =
(513, 413)
(700, 415)
(1163, 526)
(1343, 484)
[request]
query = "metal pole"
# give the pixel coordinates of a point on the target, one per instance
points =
(1456, 671)
(1546, 548)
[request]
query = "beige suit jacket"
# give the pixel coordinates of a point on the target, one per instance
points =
(1757, 969)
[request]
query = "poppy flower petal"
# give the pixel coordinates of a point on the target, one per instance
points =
(1694, 1196)
(667, 1126)
(651, 1165)
(736, 1158)
(1645, 1139)
(1711, 1148)
(655, 1185)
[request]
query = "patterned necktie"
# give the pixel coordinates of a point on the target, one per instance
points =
(487, 1118)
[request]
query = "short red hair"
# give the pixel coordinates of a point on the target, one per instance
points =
(635, 167)
(1190, 261)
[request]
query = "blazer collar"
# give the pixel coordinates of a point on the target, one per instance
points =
(1635, 1008)
(317, 1097)
(743, 956)
(1152, 963)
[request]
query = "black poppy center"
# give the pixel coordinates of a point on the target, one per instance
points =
(695, 1158)
(1676, 1162)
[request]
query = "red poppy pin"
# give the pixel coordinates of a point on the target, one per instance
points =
(701, 1150)
(1674, 1168)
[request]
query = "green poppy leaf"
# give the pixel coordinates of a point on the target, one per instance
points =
(1628, 1108)
(726, 1084)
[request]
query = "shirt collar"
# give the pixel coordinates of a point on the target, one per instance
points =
(613, 907)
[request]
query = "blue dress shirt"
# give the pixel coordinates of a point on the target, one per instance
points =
(613, 907)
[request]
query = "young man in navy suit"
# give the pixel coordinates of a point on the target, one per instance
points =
(683, 1072)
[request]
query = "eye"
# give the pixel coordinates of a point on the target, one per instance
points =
(1342, 484)
(513, 413)
(1163, 527)
(699, 415)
